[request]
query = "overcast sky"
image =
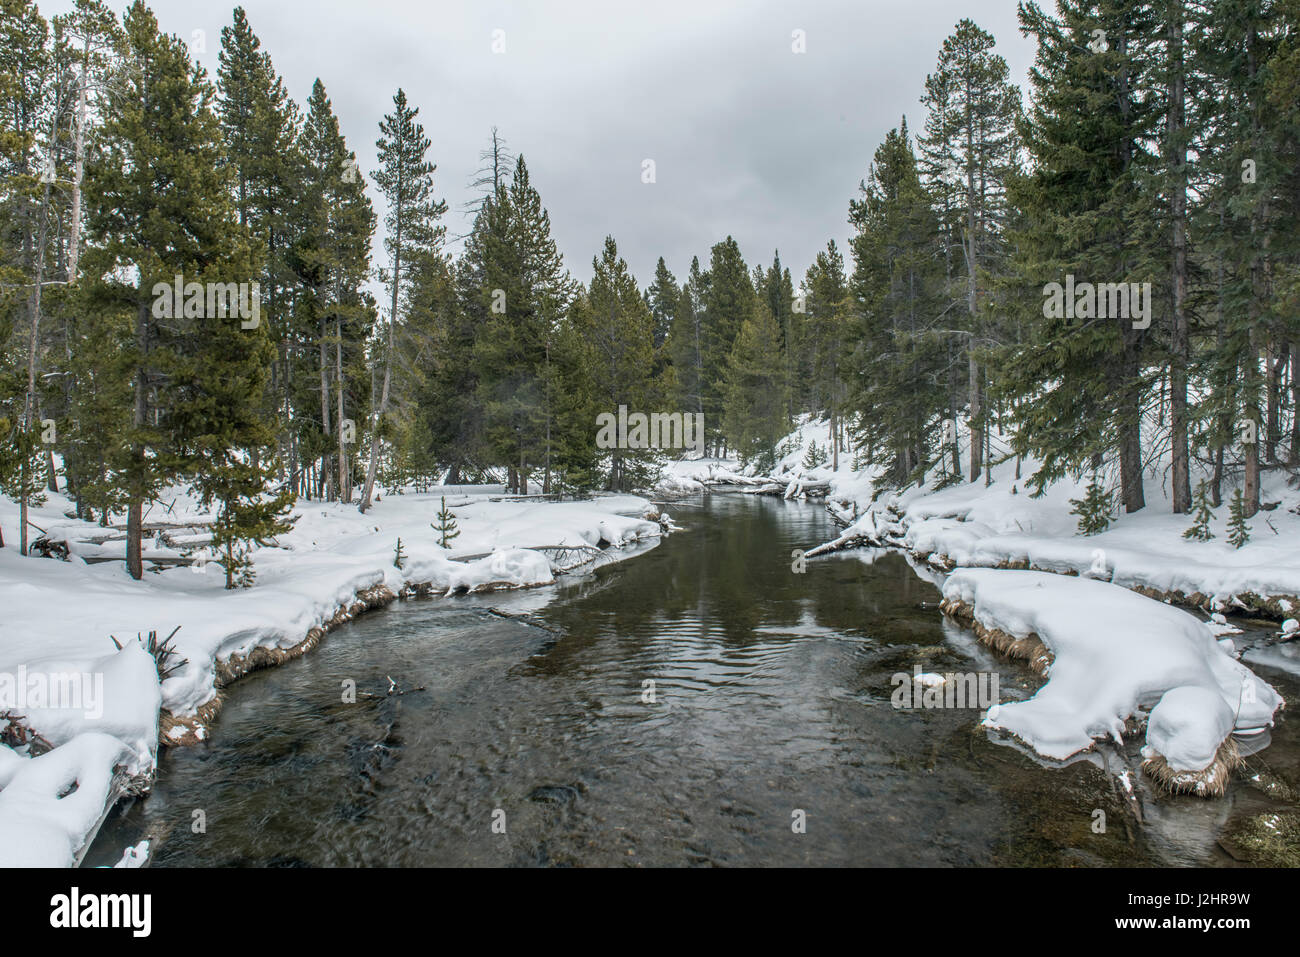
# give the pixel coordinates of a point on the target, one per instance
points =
(748, 138)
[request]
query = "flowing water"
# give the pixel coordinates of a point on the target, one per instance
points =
(699, 704)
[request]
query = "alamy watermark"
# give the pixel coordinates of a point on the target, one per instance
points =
(209, 300)
(1105, 300)
(922, 689)
(82, 691)
(658, 430)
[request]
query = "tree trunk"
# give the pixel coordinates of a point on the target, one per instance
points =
(1130, 438)
(78, 168)
(345, 485)
(1182, 483)
(379, 417)
(135, 506)
(1295, 403)
(1275, 363)
(976, 438)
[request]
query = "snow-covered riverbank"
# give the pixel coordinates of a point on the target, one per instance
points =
(99, 707)
(1102, 627)
(971, 525)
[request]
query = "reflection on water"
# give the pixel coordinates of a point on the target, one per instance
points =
(679, 708)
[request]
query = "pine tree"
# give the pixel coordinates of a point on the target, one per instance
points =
(1200, 530)
(1079, 381)
(1094, 508)
(777, 288)
(259, 124)
(160, 206)
(661, 299)
(727, 301)
(30, 93)
(753, 390)
(968, 151)
(520, 288)
(446, 525)
(1246, 226)
(618, 330)
(826, 324)
(332, 258)
(405, 177)
(399, 554)
(898, 396)
(814, 458)
(686, 342)
(1238, 530)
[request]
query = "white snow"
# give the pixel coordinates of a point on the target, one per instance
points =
(1115, 652)
(973, 525)
(44, 819)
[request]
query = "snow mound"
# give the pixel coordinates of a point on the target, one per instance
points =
(1115, 652)
(51, 803)
(518, 566)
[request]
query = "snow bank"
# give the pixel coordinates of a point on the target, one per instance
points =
(59, 616)
(971, 525)
(1114, 652)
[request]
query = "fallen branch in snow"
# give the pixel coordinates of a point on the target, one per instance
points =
(15, 735)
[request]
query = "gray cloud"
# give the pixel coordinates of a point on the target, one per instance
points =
(748, 138)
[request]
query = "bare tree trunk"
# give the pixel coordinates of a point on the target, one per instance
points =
(29, 401)
(78, 168)
(1130, 450)
(326, 479)
(1275, 363)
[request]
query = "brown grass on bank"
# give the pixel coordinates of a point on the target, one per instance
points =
(1029, 649)
(1208, 782)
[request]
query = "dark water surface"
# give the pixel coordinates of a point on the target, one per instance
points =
(772, 696)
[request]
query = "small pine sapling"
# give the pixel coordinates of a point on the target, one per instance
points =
(1200, 530)
(399, 555)
(814, 457)
(1238, 530)
(1093, 509)
(446, 525)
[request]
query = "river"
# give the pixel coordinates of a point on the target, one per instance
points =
(768, 736)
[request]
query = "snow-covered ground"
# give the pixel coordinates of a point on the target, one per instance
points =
(99, 705)
(1000, 525)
